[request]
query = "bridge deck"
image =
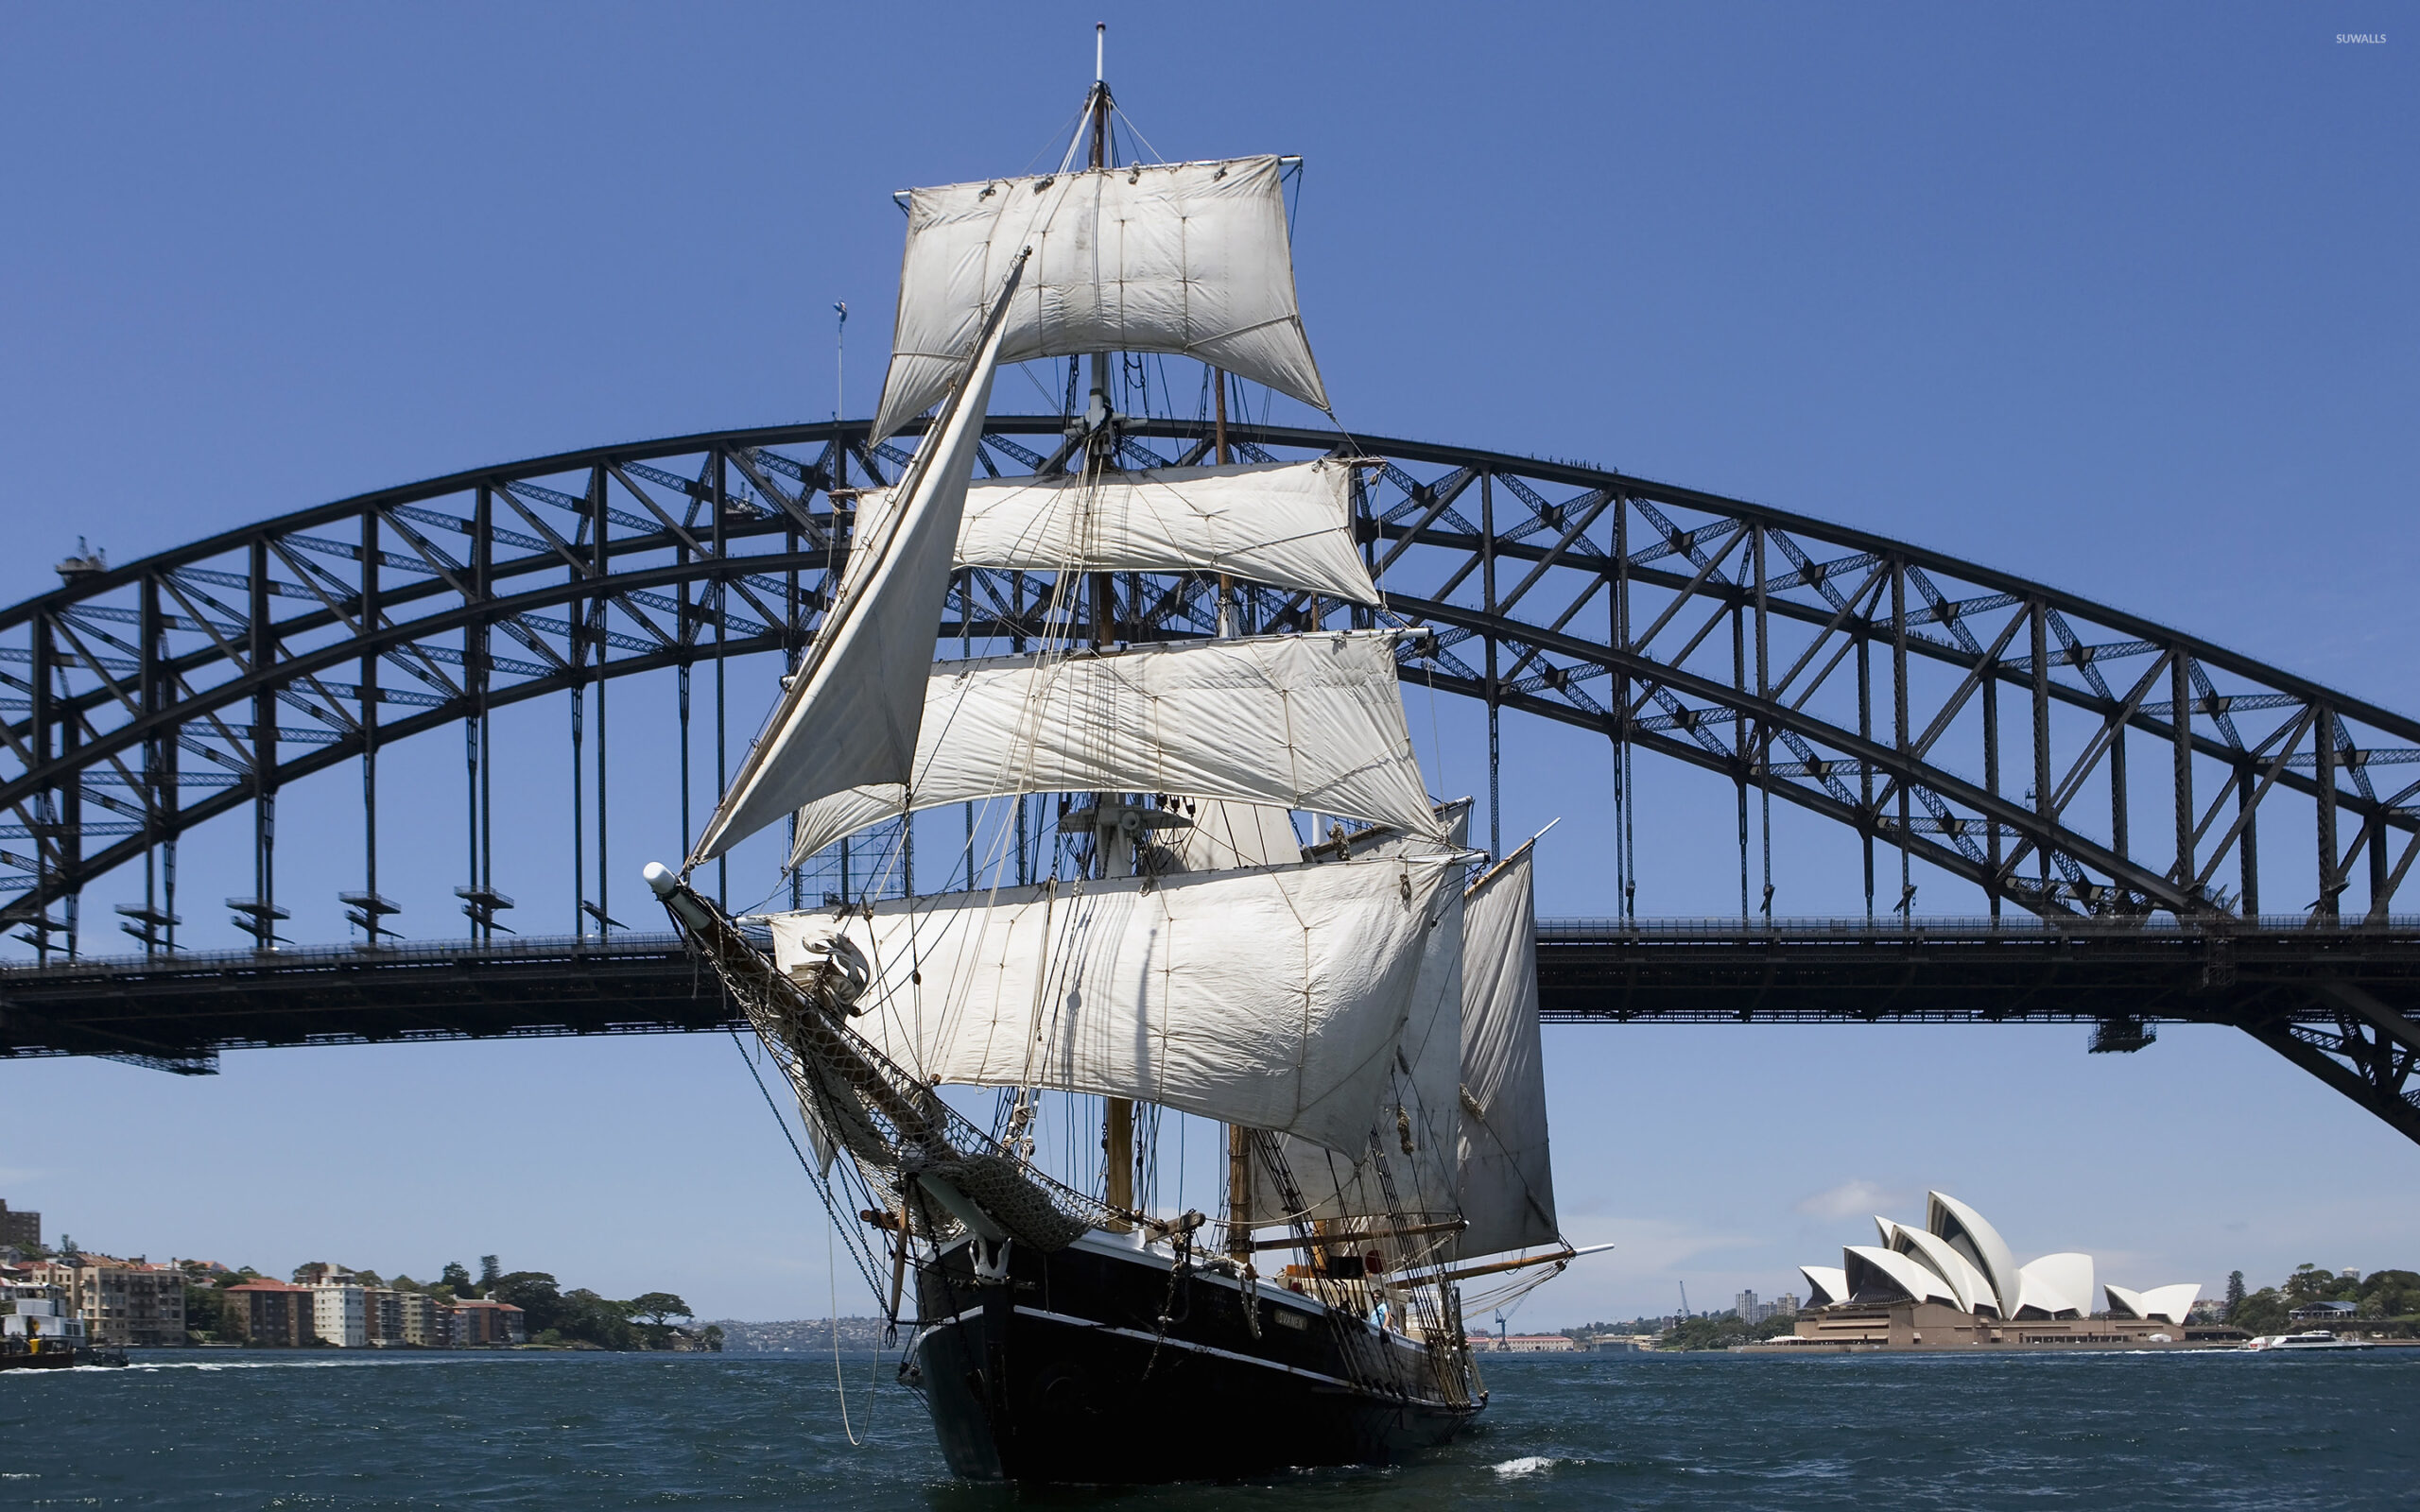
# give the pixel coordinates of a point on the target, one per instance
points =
(179, 1011)
(1966, 969)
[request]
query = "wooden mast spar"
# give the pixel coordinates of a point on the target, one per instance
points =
(1117, 1114)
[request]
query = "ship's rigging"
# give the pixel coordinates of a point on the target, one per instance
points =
(1359, 1013)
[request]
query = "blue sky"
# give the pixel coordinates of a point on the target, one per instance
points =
(2117, 297)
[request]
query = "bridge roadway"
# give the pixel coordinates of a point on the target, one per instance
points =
(2341, 999)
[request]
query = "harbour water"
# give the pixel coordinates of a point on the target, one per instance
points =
(598, 1431)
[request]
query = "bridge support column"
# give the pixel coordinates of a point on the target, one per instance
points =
(2180, 698)
(2324, 750)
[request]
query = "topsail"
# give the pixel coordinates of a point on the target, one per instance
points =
(1288, 524)
(1293, 721)
(1190, 259)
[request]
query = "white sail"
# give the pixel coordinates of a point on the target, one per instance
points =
(1421, 1106)
(1293, 721)
(1286, 524)
(1427, 1081)
(1270, 998)
(852, 713)
(1225, 835)
(1190, 259)
(1507, 1183)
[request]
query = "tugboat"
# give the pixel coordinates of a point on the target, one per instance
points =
(1359, 1013)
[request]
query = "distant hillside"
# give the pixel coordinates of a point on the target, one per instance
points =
(804, 1335)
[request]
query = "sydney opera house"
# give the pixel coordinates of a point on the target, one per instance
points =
(1955, 1284)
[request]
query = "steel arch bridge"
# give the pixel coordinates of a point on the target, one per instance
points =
(1953, 721)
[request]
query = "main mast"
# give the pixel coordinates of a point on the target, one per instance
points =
(1110, 843)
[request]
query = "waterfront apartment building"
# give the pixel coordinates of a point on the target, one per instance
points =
(383, 1316)
(341, 1315)
(128, 1303)
(425, 1322)
(19, 1227)
(488, 1325)
(271, 1314)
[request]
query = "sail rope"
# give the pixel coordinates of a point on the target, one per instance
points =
(832, 1275)
(831, 1262)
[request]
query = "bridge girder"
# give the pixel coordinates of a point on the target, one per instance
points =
(141, 700)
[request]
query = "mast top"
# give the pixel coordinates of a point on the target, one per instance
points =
(1101, 42)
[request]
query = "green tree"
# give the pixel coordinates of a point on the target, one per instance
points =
(538, 1295)
(2263, 1312)
(712, 1337)
(490, 1273)
(205, 1311)
(584, 1315)
(2390, 1294)
(659, 1308)
(456, 1277)
(1720, 1333)
(2235, 1293)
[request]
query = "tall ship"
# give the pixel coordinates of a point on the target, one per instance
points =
(1147, 967)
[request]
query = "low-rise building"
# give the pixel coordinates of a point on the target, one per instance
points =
(271, 1314)
(488, 1325)
(1527, 1344)
(128, 1303)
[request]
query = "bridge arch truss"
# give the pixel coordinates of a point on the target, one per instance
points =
(2066, 759)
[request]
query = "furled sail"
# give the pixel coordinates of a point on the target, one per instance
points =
(1190, 259)
(1507, 1183)
(1293, 721)
(1270, 998)
(1286, 524)
(852, 713)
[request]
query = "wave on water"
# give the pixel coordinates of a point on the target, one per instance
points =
(144, 1366)
(1513, 1469)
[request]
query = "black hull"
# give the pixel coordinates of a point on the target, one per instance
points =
(1059, 1370)
(55, 1358)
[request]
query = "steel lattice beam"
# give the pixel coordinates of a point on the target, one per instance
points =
(1949, 719)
